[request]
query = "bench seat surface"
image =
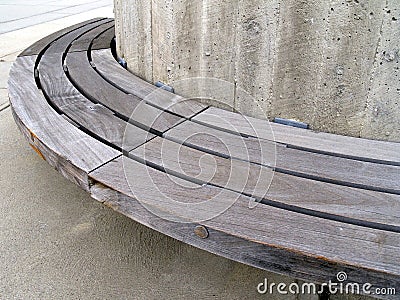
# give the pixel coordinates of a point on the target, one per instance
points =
(288, 200)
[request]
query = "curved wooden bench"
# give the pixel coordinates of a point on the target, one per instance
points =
(327, 203)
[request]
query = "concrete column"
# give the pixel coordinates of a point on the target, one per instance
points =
(331, 64)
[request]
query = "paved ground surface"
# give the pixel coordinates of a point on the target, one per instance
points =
(58, 243)
(17, 14)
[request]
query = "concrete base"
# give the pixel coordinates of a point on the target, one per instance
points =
(332, 65)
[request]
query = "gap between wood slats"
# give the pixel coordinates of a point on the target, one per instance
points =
(276, 204)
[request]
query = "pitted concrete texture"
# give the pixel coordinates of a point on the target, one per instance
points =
(332, 65)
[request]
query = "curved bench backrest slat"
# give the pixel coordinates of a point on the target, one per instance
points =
(61, 143)
(261, 183)
(103, 40)
(39, 46)
(271, 227)
(344, 146)
(84, 41)
(91, 117)
(109, 68)
(96, 88)
(326, 168)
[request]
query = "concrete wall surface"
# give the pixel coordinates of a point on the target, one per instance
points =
(332, 64)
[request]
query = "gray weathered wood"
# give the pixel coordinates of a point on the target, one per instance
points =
(64, 146)
(95, 118)
(369, 150)
(261, 182)
(40, 45)
(343, 171)
(269, 238)
(100, 122)
(83, 42)
(131, 107)
(103, 41)
(109, 68)
(60, 44)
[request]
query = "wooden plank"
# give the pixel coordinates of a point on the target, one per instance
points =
(265, 237)
(261, 182)
(344, 146)
(92, 85)
(84, 42)
(87, 80)
(109, 68)
(40, 45)
(94, 118)
(343, 171)
(100, 122)
(64, 146)
(62, 43)
(103, 41)
(202, 168)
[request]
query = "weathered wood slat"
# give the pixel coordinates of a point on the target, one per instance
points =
(103, 41)
(40, 45)
(309, 248)
(100, 122)
(344, 146)
(264, 256)
(109, 68)
(261, 182)
(61, 43)
(64, 146)
(97, 89)
(83, 42)
(343, 171)
(94, 118)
